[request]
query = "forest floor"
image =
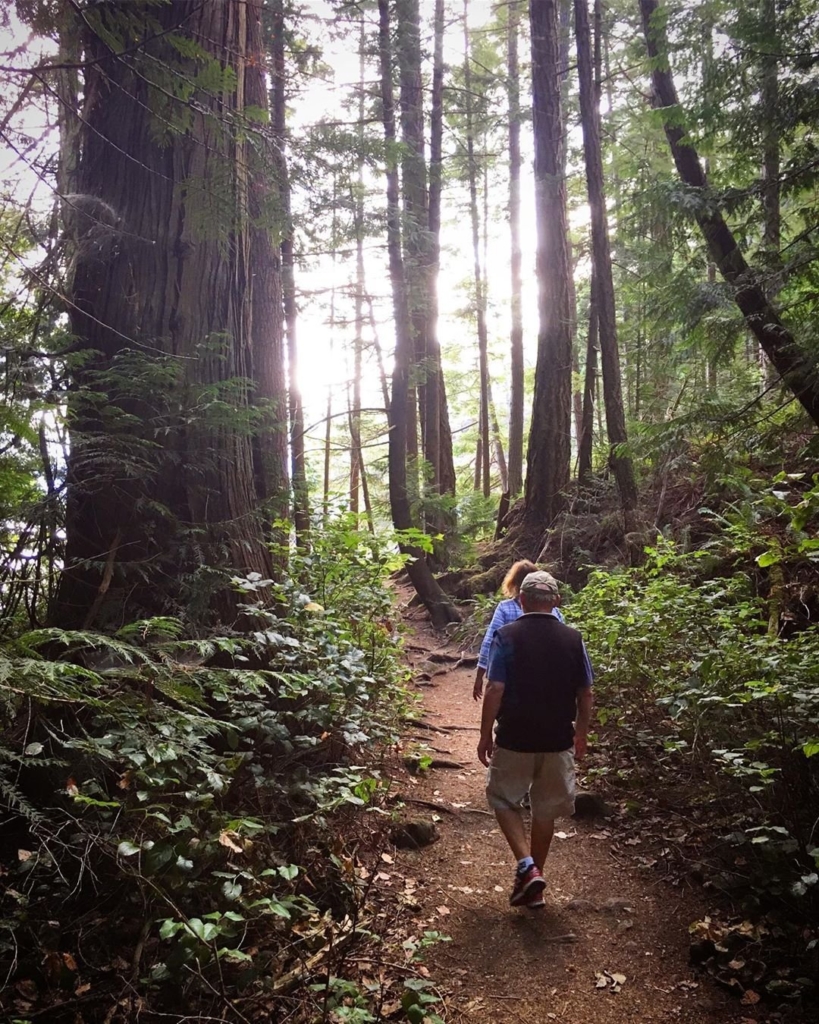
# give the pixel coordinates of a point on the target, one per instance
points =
(612, 943)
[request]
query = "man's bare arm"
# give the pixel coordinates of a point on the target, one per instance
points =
(477, 689)
(585, 702)
(491, 706)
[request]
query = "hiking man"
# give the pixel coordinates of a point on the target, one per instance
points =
(540, 693)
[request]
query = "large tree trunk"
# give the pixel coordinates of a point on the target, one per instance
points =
(164, 298)
(790, 360)
(603, 284)
(301, 501)
(549, 451)
(516, 333)
(440, 608)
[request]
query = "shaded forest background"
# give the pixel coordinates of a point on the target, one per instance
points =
(511, 280)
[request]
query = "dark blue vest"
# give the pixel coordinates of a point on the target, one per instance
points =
(545, 667)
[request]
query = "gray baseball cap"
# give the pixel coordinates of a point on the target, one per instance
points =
(542, 583)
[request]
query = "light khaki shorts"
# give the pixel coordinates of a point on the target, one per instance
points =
(547, 778)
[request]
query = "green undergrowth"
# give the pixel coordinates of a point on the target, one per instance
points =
(182, 814)
(707, 667)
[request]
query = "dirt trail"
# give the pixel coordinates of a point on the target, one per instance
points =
(604, 912)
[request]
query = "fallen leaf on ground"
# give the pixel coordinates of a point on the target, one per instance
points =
(229, 839)
(604, 978)
(750, 998)
(387, 858)
(443, 911)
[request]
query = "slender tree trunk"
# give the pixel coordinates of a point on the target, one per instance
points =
(68, 119)
(604, 286)
(445, 476)
(356, 454)
(494, 426)
(355, 405)
(497, 441)
(379, 353)
(440, 608)
(148, 506)
(480, 299)
(790, 360)
(301, 500)
(431, 415)
(516, 334)
(565, 28)
(771, 160)
(264, 215)
(437, 435)
(415, 235)
(328, 420)
(586, 440)
(549, 452)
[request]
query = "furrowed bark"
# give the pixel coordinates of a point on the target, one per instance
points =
(171, 272)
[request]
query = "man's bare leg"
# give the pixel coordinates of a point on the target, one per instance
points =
(512, 826)
(542, 831)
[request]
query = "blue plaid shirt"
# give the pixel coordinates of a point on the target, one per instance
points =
(508, 611)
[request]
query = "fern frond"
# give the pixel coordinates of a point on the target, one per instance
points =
(160, 627)
(29, 644)
(15, 801)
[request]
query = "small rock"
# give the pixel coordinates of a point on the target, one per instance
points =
(618, 905)
(582, 906)
(591, 805)
(413, 835)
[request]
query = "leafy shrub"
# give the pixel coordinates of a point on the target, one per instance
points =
(187, 782)
(732, 691)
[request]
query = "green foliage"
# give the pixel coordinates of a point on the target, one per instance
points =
(193, 775)
(690, 633)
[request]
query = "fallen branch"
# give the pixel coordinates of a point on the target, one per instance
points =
(289, 981)
(416, 724)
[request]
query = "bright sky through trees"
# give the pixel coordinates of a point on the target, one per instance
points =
(325, 359)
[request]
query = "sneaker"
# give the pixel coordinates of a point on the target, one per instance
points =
(526, 887)
(535, 900)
